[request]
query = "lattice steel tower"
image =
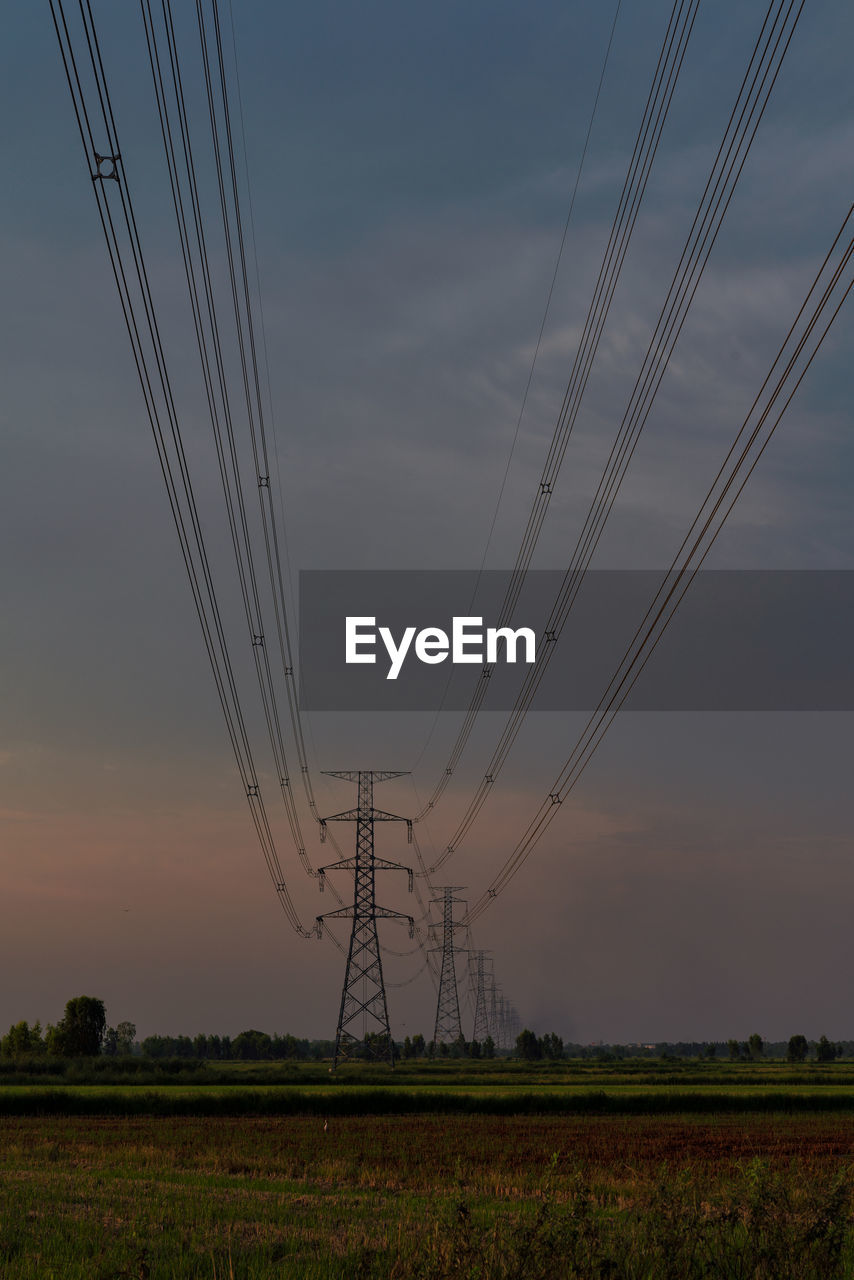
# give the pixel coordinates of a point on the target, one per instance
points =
(448, 1024)
(363, 997)
(481, 1008)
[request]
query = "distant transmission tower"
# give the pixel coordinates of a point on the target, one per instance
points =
(500, 1015)
(481, 1009)
(363, 1000)
(512, 1026)
(448, 1024)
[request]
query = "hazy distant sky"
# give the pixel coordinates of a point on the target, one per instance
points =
(411, 169)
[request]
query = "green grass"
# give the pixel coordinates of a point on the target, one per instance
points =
(460, 1072)
(494, 1088)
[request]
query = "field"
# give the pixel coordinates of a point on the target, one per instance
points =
(327, 1191)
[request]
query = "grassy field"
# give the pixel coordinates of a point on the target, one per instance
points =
(320, 1195)
(416, 1196)
(459, 1088)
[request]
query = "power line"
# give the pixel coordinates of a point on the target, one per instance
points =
(227, 449)
(243, 306)
(534, 358)
(764, 65)
(656, 110)
(802, 343)
(106, 169)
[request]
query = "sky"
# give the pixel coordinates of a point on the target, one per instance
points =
(411, 168)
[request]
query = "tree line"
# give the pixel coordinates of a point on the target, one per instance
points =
(83, 1032)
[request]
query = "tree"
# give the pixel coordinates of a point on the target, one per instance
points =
(551, 1046)
(418, 1046)
(528, 1046)
(798, 1049)
(119, 1040)
(252, 1045)
(22, 1039)
(80, 1033)
(711, 1052)
(825, 1051)
(734, 1050)
(489, 1047)
(474, 1049)
(755, 1047)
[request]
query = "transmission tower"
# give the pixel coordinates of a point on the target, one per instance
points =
(501, 1014)
(497, 1029)
(492, 1005)
(448, 1024)
(363, 998)
(481, 1010)
(512, 1027)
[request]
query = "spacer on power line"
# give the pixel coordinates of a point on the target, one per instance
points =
(555, 798)
(492, 893)
(263, 482)
(106, 167)
(545, 487)
(486, 673)
(289, 671)
(490, 778)
(550, 636)
(257, 642)
(285, 782)
(252, 791)
(448, 773)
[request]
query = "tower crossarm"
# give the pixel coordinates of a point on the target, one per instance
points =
(379, 913)
(380, 864)
(376, 815)
(353, 775)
